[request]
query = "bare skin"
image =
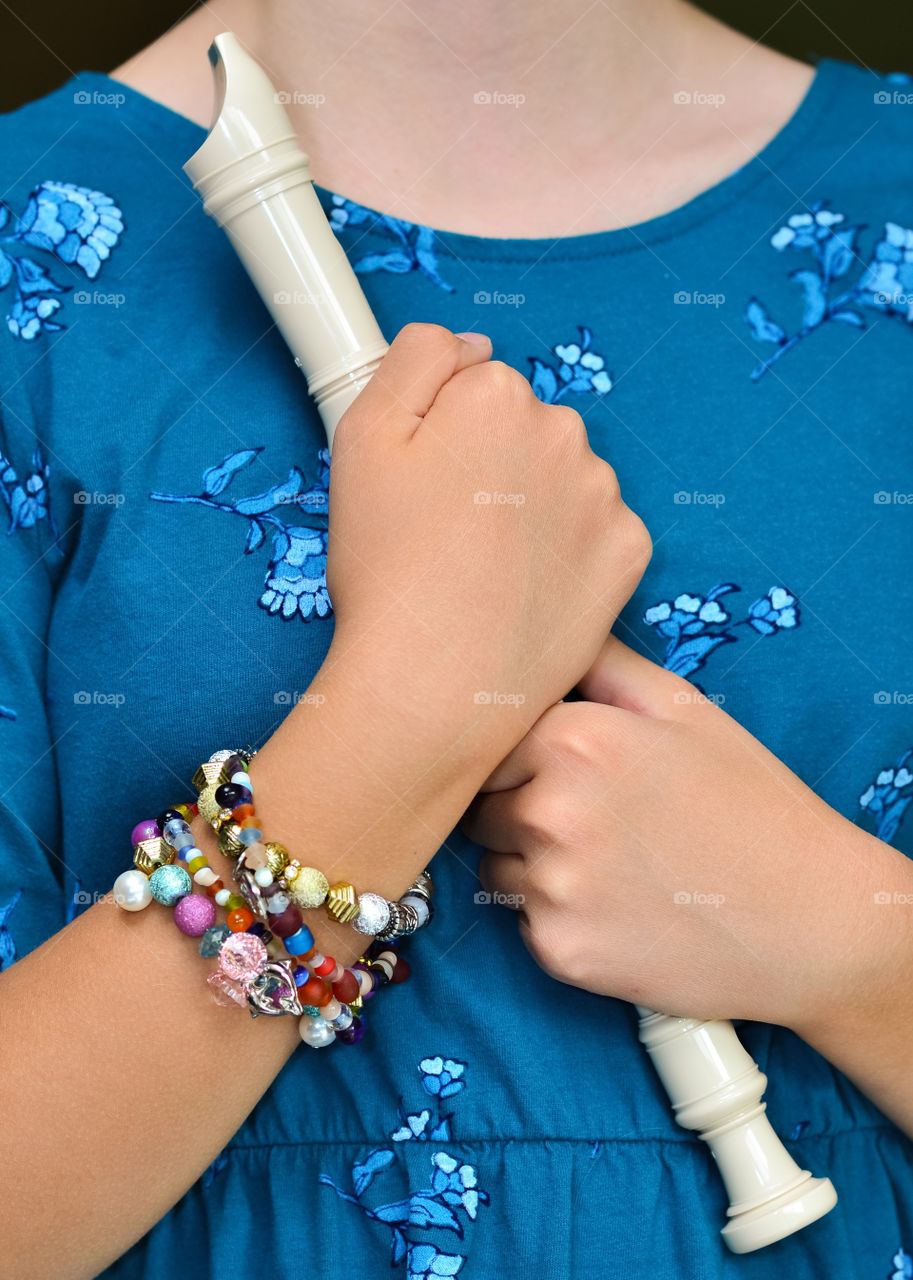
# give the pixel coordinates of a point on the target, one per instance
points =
(597, 141)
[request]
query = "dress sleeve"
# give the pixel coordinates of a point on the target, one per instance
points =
(32, 894)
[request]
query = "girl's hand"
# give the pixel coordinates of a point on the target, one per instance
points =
(658, 852)
(479, 549)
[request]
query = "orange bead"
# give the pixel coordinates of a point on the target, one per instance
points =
(248, 822)
(213, 889)
(241, 812)
(314, 992)
(240, 920)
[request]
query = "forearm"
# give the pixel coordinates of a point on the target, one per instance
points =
(119, 1071)
(867, 1030)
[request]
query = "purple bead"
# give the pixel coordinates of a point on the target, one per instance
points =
(229, 796)
(353, 1033)
(194, 914)
(148, 829)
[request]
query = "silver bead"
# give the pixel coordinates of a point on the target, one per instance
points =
(373, 913)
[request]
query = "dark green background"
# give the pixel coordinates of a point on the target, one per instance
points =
(42, 42)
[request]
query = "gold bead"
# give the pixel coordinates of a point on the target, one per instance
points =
(357, 1004)
(229, 842)
(309, 888)
(277, 857)
(209, 774)
(341, 902)
(291, 871)
(210, 809)
(149, 855)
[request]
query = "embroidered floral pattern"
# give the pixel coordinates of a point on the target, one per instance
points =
(415, 250)
(77, 226)
(449, 1202)
(696, 626)
(576, 368)
(295, 584)
(885, 283)
(903, 1266)
(7, 941)
(27, 502)
(888, 797)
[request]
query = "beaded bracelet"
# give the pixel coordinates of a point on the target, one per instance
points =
(327, 998)
(225, 799)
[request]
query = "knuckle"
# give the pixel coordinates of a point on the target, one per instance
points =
(430, 337)
(637, 541)
(562, 418)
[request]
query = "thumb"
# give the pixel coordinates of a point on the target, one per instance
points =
(622, 678)
(421, 359)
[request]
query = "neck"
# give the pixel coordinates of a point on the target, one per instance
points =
(499, 116)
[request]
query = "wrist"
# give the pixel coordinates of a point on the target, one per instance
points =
(866, 958)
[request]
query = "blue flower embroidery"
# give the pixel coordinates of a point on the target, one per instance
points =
(27, 502)
(578, 370)
(295, 585)
(885, 283)
(415, 244)
(888, 798)
(77, 225)
(450, 1203)
(7, 941)
(903, 1266)
(696, 626)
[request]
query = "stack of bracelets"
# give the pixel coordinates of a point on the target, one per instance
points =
(265, 953)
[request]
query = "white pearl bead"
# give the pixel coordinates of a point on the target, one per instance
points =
(132, 891)
(263, 877)
(316, 1032)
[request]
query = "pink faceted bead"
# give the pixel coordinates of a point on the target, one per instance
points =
(148, 829)
(194, 914)
(225, 991)
(242, 956)
(256, 856)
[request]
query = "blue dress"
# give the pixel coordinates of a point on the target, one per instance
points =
(746, 363)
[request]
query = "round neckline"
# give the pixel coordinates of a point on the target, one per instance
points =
(821, 90)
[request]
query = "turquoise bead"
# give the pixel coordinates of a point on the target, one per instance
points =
(169, 884)
(299, 942)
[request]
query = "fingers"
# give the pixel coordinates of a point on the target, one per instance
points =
(490, 821)
(622, 678)
(421, 360)
(502, 876)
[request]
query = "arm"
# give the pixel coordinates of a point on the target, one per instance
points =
(117, 1070)
(663, 855)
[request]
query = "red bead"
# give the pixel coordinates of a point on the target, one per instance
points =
(326, 967)
(314, 992)
(347, 989)
(401, 972)
(241, 812)
(239, 920)
(213, 889)
(287, 922)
